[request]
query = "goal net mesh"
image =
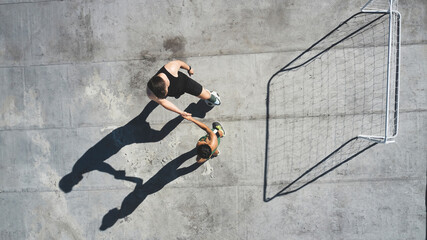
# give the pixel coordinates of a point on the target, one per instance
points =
(331, 103)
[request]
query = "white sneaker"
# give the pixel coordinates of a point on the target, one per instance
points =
(218, 99)
(216, 103)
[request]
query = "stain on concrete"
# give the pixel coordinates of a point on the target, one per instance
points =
(136, 81)
(208, 170)
(14, 52)
(77, 39)
(52, 212)
(176, 45)
(199, 217)
(33, 107)
(138, 73)
(145, 55)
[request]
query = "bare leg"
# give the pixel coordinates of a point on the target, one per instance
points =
(200, 160)
(205, 95)
(210, 99)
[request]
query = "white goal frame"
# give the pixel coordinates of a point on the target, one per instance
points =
(392, 92)
(393, 13)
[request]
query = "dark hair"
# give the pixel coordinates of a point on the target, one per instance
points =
(204, 151)
(157, 86)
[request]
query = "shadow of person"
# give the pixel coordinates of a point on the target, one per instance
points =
(166, 175)
(138, 130)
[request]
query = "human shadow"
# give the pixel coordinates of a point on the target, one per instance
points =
(138, 130)
(166, 175)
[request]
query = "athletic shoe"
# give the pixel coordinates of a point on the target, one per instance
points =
(217, 125)
(218, 99)
(209, 103)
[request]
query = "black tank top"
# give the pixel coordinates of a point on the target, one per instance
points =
(177, 84)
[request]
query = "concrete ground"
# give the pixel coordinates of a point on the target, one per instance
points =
(72, 94)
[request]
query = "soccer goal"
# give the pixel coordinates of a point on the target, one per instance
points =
(334, 101)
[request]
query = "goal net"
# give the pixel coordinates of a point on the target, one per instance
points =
(334, 101)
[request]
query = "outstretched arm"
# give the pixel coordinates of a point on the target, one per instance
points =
(167, 104)
(202, 126)
(171, 107)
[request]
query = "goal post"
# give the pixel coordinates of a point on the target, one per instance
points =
(393, 71)
(334, 101)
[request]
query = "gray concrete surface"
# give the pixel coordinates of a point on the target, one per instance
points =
(73, 73)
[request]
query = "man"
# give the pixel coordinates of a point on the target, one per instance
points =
(170, 82)
(207, 146)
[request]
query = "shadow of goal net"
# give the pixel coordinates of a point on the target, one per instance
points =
(334, 101)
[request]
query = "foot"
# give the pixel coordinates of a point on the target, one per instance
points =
(218, 99)
(218, 126)
(209, 103)
(216, 103)
(216, 154)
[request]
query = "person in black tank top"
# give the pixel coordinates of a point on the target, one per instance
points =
(170, 82)
(181, 84)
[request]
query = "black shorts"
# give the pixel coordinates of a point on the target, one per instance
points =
(194, 88)
(184, 84)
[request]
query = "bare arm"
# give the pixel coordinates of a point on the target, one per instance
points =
(170, 106)
(174, 66)
(166, 104)
(202, 126)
